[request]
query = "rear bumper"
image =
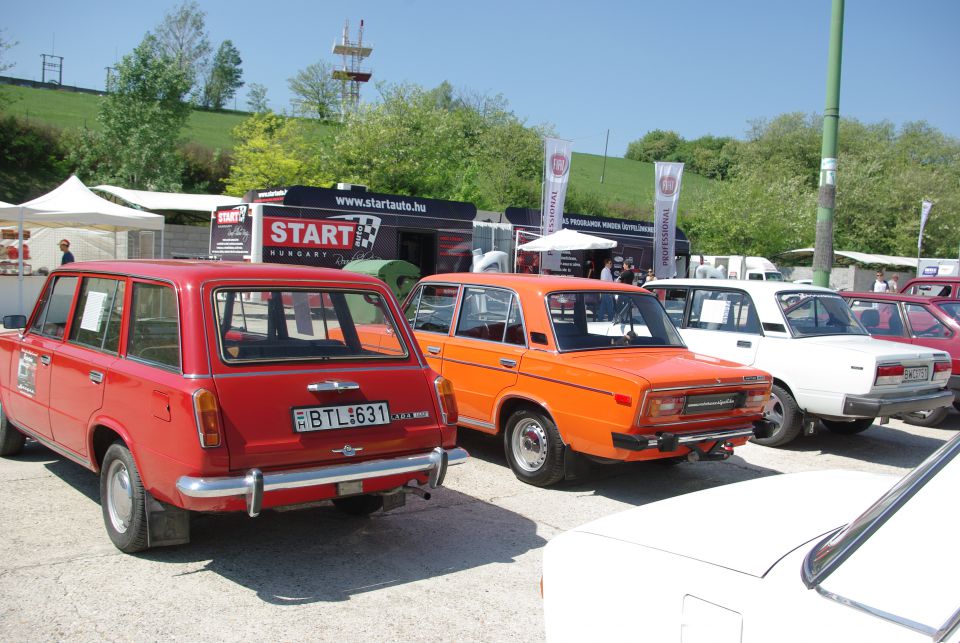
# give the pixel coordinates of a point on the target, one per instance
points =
(881, 407)
(667, 442)
(255, 483)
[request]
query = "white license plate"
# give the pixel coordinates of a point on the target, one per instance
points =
(343, 416)
(915, 374)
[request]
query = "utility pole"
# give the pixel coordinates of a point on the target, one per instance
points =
(604, 170)
(827, 199)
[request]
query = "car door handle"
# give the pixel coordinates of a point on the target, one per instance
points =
(435, 350)
(509, 363)
(332, 385)
(45, 360)
(96, 377)
(744, 344)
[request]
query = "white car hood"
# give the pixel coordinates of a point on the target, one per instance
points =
(870, 346)
(747, 526)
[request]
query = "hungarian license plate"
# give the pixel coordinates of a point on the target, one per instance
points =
(342, 416)
(915, 374)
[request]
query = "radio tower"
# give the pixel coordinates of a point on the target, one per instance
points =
(350, 73)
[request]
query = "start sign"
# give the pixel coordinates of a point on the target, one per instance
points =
(309, 233)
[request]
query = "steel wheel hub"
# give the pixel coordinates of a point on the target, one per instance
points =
(530, 445)
(119, 496)
(773, 410)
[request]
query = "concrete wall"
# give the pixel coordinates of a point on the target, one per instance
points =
(852, 278)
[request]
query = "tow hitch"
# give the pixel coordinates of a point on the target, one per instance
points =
(720, 451)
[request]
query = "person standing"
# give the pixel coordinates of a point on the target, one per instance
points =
(607, 273)
(67, 255)
(880, 285)
(627, 276)
(893, 285)
(606, 299)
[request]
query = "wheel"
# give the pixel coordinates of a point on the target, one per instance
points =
(533, 448)
(11, 440)
(359, 505)
(926, 418)
(122, 500)
(783, 412)
(848, 428)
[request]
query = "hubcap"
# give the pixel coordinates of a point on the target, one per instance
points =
(529, 445)
(773, 411)
(119, 496)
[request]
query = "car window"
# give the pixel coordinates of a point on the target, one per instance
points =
(638, 320)
(929, 290)
(486, 313)
(52, 320)
(154, 325)
(297, 325)
(96, 320)
(924, 324)
(881, 318)
(952, 309)
(815, 313)
(674, 301)
(431, 308)
(723, 310)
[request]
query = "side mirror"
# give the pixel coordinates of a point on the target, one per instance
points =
(18, 322)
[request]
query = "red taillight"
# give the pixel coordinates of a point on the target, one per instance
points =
(448, 401)
(622, 400)
(208, 418)
(669, 405)
(756, 397)
(889, 374)
(942, 371)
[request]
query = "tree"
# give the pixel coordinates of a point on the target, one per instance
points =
(658, 145)
(182, 36)
(224, 78)
(4, 66)
(316, 93)
(257, 98)
(141, 119)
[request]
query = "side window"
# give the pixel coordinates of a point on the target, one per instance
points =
(674, 301)
(878, 317)
(96, 321)
(433, 310)
(723, 310)
(52, 320)
(924, 324)
(483, 314)
(154, 325)
(514, 333)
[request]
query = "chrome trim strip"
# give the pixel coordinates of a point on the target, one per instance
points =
(722, 385)
(879, 613)
(326, 370)
(738, 432)
(251, 484)
(472, 422)
(196, 376)
(491, 368)
(555, 381)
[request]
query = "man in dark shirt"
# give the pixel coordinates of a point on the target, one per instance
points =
(67, 255)
(627, 276)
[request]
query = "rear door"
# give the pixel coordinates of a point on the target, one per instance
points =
(723, 323)
(926, 329)
(302, 380)
(429, 311)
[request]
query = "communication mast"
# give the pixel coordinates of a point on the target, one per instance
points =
(54, 65)
(350, 74)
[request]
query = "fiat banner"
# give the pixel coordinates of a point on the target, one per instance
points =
(665, 218)
(556, 172)
(924, 215)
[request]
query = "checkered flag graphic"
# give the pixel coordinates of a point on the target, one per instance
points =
(367, 229)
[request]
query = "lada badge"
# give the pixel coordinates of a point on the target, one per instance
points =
(348, 450)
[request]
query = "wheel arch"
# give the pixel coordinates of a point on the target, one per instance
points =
(103, 433)
(509, 405)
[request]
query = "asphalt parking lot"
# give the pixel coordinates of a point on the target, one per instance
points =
(462, 566)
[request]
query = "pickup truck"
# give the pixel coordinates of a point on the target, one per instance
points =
(217, 386)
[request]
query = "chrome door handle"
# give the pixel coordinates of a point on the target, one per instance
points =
(509, 363)
(96, 377)
(744, 344)
(45, 359)
(332, 385)
(435, 350)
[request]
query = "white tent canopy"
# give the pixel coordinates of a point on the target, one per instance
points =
(169, 200)
(847, 257)
(73, 205)
(565, 239)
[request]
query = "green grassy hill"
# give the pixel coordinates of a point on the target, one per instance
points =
(627, 185)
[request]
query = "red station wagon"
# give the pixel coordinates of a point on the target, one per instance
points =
(207, 386)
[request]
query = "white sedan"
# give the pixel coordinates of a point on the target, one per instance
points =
(771, 559)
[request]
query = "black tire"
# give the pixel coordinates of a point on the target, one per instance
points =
(783, 411)
(956, 404)
(11, 440)
(926, 418)
(123, 500)
(848, 428)
(533, 448)
(359, 505)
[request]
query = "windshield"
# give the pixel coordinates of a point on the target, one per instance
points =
(818, 313)
(591, 320)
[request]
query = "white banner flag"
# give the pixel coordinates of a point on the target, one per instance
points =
(665, 218)
(924, 215)
(556, 172)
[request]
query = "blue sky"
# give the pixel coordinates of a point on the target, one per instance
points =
(694, 66)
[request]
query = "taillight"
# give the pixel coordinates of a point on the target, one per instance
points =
(208, 418)
(756, 397)
(941, 371)
(889, 374)
(448, 401)
(670, 405)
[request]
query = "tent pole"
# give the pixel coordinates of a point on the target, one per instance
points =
(162, 230)
(20, 266)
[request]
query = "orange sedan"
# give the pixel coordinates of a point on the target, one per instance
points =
(562, 365)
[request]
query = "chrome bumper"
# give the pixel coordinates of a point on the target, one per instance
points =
(255, 483)
(663, 441)
(873, 407)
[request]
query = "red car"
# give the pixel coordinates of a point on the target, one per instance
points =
(208, 386)
(933, 322)
(948, 287)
